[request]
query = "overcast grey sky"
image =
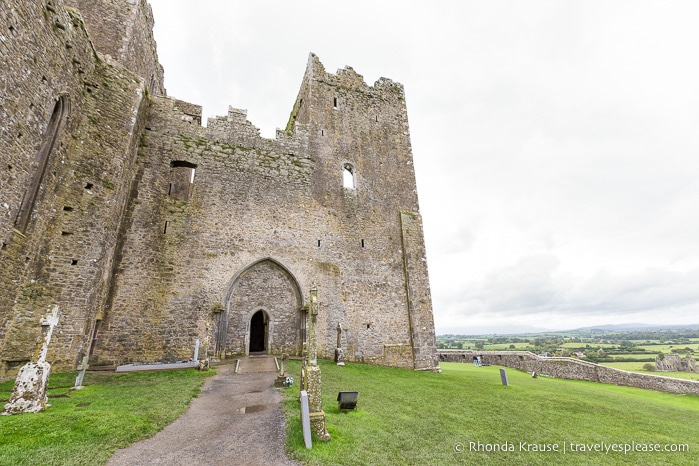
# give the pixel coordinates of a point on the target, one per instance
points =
(556, 142)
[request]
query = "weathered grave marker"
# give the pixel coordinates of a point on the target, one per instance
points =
(81, 375)
(503, 377)
(312, 372)
(306, 420)
(29, 393)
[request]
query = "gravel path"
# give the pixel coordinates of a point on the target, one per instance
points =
(236, 420)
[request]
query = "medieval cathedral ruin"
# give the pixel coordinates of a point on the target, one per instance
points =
(150, 231)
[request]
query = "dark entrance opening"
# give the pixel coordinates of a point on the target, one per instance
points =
(258, 331)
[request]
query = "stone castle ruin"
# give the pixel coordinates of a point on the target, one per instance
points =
(674, 363)
(151, 231)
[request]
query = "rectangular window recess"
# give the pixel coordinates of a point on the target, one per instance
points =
(322, 132)
(88, 186)
(74, 262)
(167, 224)
(318, 243)
(377, 118)
(334, 102)
(362, 243)
(66, 233)
(4, 246)
(67, 208)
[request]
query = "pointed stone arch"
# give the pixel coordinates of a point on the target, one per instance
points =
(267, 286)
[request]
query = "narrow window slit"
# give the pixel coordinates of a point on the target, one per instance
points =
(348, 176)
(362, 243)
(334, 102)
(67, 208)
(66, 233)
(167, 224)
(318, 243)
(51, 140)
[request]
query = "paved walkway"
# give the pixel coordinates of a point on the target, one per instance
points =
(236, 420)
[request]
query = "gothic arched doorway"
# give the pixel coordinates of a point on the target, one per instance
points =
(263, 312)
(258, 332)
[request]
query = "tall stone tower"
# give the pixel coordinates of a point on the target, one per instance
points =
(151, 231)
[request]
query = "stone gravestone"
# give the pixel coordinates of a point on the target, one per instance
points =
(503, 377)
(81, 375)
(29, 393)
(339, 353)
(306, 420)
(283, 380)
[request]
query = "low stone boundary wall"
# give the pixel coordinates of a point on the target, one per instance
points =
(571, 368)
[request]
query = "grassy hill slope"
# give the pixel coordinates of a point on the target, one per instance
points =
(466, 416)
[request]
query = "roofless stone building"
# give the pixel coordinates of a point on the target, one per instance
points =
(151, 231)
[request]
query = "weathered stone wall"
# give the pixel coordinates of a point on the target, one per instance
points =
(150, 231)
(283, 199)
(62, 253)
(570, 368)
(123, 29)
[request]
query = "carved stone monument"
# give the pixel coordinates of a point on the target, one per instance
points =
(339, 353)
(312, 377)
(283, 380)
(81, 374)
(29, 393)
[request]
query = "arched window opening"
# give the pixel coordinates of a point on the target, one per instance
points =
(181, 179)
(50, 140)
(348, 176)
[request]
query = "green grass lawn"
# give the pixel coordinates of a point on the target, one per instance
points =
(407, 417)
(85, 427)
(403, 417)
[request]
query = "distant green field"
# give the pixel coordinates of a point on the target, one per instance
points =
(466, 416)
(641, 357)
(638, 367)
(668, 348)
(506, 346)
(582, 346)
